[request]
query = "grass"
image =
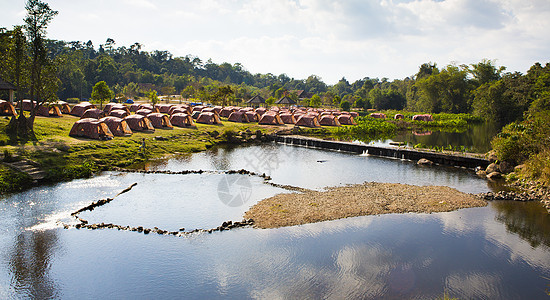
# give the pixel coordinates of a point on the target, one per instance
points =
(65, 158)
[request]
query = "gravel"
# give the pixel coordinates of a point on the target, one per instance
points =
(369, 198)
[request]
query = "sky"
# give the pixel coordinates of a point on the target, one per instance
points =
(328, 38)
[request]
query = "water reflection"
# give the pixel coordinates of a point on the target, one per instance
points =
(29, 262)
(527, 220)
(498, 251)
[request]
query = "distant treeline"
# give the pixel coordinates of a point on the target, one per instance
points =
(483, 89)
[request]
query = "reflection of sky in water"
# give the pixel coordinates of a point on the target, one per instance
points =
(312, 168)
(469, 253)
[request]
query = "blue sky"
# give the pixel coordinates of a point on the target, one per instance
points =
(331, 39)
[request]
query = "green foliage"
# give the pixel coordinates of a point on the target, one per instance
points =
(153, 97)
(345, 105)
(367, 129)
(101, 93)
(315, 101)
(12, 181)
(270, 100)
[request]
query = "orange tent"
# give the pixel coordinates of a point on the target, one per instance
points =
(329, 120)
(208, 118)
(117, 126)
(94, 113)
(79, 109)
(160, 120)
(346, 120)
(238, 116)
(49, 111)
(271, 118)
(288, 118)
(182, 120)
(91, 128)
(308, 120)
(6, 109)
(139, 123)
(119, 113)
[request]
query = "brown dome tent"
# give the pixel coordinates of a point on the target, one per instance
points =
(119, 113)
(134, 107)
(288, 118)
(91, 128)
(49, 111)
(354, 114)
(144, 112)
(308, 120)
(79, 109)
(261, 110)
(63, 106)
(399, 117)
(115, 106)
(346, 120)
(164, 108)
(378, 115)
(117, 126)
(179, 109)
(6, 109)
(208, 118)
(197, 108)
(27, 104)
(226, 111)
(252, 116)
(94, 113)
(147, 106)
(426, 118)
(271, 118)
(139, 123)
(238, 116)
(182, 120)
(329, 120)
(212, 110)
(160, 120)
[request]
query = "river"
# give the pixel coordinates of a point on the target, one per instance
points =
(501, 251)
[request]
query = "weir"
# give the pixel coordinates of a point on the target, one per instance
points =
(402, 153)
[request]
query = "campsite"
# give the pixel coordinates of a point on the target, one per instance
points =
(274, 150)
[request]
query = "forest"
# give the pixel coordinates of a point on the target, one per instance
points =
(483, 89)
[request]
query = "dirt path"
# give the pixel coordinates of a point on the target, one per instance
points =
(357, 200)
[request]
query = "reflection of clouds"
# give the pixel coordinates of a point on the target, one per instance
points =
(475, 285)
(326, 227)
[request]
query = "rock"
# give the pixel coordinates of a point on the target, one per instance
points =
(160, 138)
(424, 161)
(491, 168)
(519, 168)
(505, 167)
(182, 229)
(494, 175)
(492, 156)
(481, 173)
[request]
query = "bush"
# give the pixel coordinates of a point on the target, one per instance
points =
(73, 100)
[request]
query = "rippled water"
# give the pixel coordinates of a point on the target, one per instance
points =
(501, 251)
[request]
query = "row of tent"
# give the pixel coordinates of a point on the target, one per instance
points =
(424, 117)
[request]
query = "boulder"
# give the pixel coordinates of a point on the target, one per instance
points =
(424, 161)
(491, 168)
(481, 173)
(492, 156)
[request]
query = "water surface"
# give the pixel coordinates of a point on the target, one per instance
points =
(501, 251)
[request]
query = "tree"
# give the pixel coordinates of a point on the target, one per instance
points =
(39, 15)
(101, 93)
(345, 105)
(315, 101)
(153, 97)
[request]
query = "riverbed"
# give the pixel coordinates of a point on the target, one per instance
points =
(501, 251)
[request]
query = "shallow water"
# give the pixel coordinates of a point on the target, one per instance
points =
(501, 251)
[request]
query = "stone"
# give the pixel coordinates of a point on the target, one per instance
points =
(481, 173)
(505, 167)
(491, 168)
(494, 175)
(492, 156)
(424, 161)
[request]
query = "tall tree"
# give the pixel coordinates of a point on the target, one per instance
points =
(39, 15)
(102, 93)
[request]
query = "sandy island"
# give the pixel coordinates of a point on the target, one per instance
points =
(357, 200)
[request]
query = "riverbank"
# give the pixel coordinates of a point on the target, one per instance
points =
(64, 158)
(357, 200)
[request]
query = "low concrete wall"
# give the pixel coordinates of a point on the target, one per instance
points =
(410, 154)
